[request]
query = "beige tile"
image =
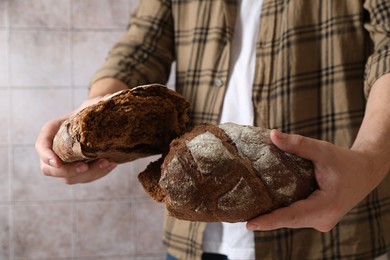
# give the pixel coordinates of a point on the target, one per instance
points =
(39, 13)
(133, 4)
(104, 229)
(4, 232)
(40, 58)
(89, 52)
(29, 184)
(101, 13)
(79, 96)
(42, 231)
(31, 108)
(4, 116)
(4, 175)
(121, 184)
(149, 221)
(3, 59)
(113, 186)
(128, 257)
(3, 6)
(160, 256)
(134, 169)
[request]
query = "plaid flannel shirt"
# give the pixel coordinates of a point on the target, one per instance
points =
(315, 63)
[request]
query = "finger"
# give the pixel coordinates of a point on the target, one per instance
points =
(47, 155)
(65, 170)
(287, 217)
(95, 171)
(301, 146)
(44, 142)
(301, 214)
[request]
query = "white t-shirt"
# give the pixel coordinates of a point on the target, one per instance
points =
(237, 106)
(234, 240)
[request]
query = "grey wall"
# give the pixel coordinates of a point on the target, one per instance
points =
(48, 52)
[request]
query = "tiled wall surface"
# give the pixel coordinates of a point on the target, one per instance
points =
(48, 52)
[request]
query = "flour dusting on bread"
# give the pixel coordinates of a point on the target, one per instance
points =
(231, 173)
(208, 152)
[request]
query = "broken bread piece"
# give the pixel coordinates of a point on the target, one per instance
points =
(125, 126)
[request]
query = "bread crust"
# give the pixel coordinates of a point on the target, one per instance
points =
(126, 126)
(230, 173)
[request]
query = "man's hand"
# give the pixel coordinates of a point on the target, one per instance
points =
(344, 176)
(78, 172)
(72, 173)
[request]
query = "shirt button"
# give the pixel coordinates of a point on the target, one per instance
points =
(218, 83)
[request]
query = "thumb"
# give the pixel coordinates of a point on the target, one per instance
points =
(298, 145)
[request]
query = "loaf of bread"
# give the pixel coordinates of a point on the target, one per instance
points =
(228, 173)
(125, 126)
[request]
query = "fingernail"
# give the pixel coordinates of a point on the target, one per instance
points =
(279, 134)
(81, 168)
(52, 162)
(252, 227)
(111, 166)
(104, 164)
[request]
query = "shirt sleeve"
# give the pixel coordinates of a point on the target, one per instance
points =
(144, 54)
(378, 26)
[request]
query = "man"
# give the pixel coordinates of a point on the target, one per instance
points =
(321, 71)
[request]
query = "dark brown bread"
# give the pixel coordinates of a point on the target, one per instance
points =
(229, 173)
(128, 125)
